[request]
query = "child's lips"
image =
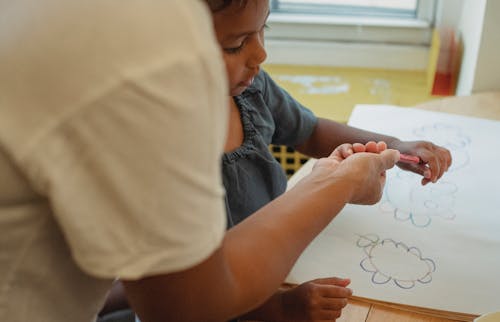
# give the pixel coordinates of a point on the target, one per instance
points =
(247, 82)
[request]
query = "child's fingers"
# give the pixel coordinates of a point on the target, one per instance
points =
(444, 158)
(333, 287)
(433, 169)
(336, 292)
(333, 281)
(346, 150)
(436, 160)
(371, 147)
(434, 166)
(358, 147)
(381, 146)
(333, 303)
(425, 181)
(329, 315)
(375, 147)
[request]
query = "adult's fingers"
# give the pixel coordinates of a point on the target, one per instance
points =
(345, 150)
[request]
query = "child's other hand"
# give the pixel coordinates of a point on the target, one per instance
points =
(436, 159)
(318, 300)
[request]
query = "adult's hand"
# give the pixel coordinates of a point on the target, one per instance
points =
(362, 173)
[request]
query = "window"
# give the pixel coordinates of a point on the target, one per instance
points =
(339, 27)
(370, 8)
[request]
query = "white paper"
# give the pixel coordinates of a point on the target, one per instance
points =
(435, 246)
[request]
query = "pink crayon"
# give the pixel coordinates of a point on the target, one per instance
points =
(409, 158)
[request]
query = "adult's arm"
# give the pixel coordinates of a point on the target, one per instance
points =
(256, 255)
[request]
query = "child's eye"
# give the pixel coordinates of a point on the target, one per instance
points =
(234, 50)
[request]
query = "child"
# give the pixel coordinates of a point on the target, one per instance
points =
(262, 113)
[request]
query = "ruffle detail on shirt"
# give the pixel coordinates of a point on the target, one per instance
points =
(249, 133)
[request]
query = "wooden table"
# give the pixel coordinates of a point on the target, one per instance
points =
(484, 105)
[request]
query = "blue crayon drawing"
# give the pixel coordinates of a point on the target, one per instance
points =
(409, 201)
(388, 260)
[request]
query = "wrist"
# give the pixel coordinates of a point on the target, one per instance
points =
(393, 143)
(325, 184)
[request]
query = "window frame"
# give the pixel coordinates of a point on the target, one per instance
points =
(307, 26)
(295, 38)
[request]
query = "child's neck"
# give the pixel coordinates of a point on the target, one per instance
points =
(235, 134)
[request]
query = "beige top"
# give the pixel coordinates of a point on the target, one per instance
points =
(112, 121)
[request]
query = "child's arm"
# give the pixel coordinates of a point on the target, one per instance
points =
(320, 299)
(329, 134)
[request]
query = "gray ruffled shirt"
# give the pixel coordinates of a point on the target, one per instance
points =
(251, 175)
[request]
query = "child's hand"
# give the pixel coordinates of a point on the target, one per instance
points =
(436, 159)
(318, 300)
(346, 150)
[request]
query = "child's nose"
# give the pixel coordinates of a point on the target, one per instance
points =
(259, 53)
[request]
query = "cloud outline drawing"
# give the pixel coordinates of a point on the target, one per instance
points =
(380, 268)
(407, 200)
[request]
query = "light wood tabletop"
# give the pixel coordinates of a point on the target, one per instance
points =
(483, 105)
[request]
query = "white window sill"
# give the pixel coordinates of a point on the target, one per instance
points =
(348, 41)
(362, 55)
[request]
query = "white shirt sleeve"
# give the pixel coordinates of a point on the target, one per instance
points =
(128, 152)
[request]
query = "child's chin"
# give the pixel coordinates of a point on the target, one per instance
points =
(238, 90)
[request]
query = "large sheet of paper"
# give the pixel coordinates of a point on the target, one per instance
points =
(435, 246)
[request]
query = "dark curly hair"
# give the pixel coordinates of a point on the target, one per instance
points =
(219, 5)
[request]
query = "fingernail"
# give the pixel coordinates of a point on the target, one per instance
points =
(427, 174)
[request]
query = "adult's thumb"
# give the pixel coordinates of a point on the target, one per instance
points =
(389, 158)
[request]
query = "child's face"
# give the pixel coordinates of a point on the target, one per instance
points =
(240, 32)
